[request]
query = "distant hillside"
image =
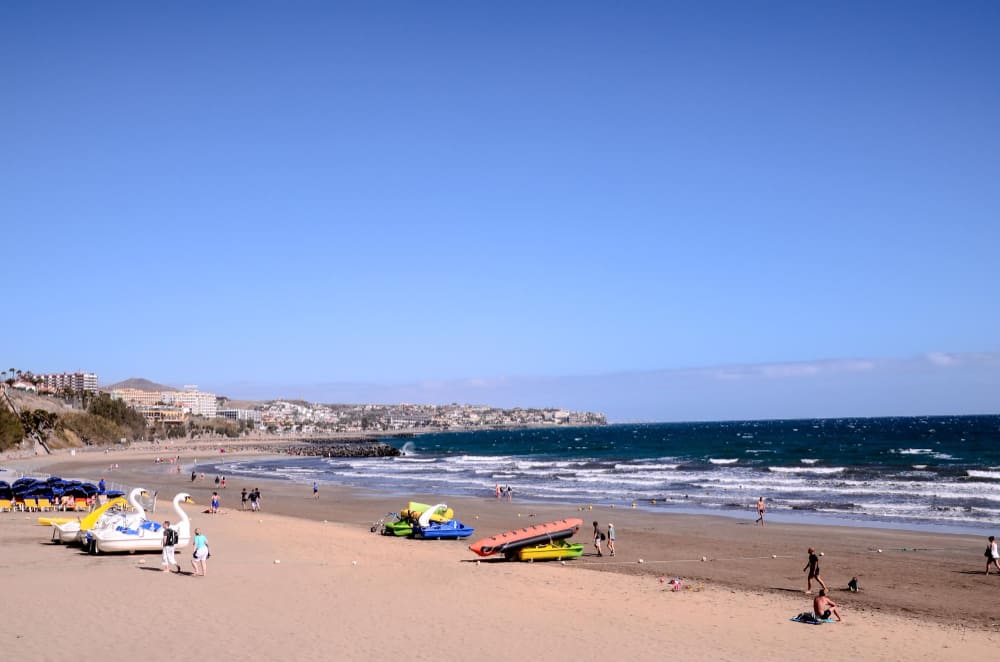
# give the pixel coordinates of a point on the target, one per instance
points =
(141, 384)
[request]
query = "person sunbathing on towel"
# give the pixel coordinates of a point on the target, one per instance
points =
(824, 607)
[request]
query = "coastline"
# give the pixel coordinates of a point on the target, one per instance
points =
(740, 555)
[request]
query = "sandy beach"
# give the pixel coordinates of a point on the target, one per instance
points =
(340, 591)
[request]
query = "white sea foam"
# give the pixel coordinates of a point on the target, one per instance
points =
(913, 451)
(919, 466)
(723, 460)
(993, 475)
(807, 470)
(808, 460)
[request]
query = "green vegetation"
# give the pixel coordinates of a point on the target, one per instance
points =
(119, 413)
(11, 430)
(90, 429)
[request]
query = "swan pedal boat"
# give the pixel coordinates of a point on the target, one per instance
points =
(73, 530)
(559, 550)
(144, 536)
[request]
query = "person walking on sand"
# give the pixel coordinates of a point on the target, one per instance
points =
(611, 538)
(200, 559)
(813, 567)
(170, 538)
(824, 607)
(760, 511)
(315, 490)
(598, 537)
(215, 503)
(992, 555)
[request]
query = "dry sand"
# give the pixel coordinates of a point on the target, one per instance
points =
(432, 600)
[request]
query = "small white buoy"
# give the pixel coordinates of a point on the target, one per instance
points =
(276, 561)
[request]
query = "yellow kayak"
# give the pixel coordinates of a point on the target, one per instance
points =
(414, 510)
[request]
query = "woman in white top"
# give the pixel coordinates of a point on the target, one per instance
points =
(992, 555)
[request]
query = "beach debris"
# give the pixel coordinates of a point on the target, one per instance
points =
(325, 522)
(260, 521)
(633, 504)
(276, 561)
(676, 584)
(142, 560)
(562, 562)
(654, 502)
(662, 579)
(704, 558)
(477, 516)
(477, 561)
(519, 514)
(879, 551)
(821, 554)
(588, 508)
(354, 562)
(612, 505)
(641, 561)
(774, 556)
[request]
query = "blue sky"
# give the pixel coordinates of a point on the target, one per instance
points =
(372, 200)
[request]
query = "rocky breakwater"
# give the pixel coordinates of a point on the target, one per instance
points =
(342, 448)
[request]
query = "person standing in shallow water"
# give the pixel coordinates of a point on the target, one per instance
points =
(760, 511)
(813, 567)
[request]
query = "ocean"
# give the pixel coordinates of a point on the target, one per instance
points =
(914, 472)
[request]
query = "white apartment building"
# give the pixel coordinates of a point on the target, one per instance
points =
(75, 381)
(197, 403)
(240, 415)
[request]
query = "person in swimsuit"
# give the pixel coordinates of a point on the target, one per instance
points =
(813, 567)
(824, 607)
(760, 511)
(215, 502)
(243, 499)
(597, 539)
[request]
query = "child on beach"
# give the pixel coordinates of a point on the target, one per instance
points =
(215, 503)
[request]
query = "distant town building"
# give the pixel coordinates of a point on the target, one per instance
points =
(74, 381)
(137, 398)
(240, 415)
(197, 403)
